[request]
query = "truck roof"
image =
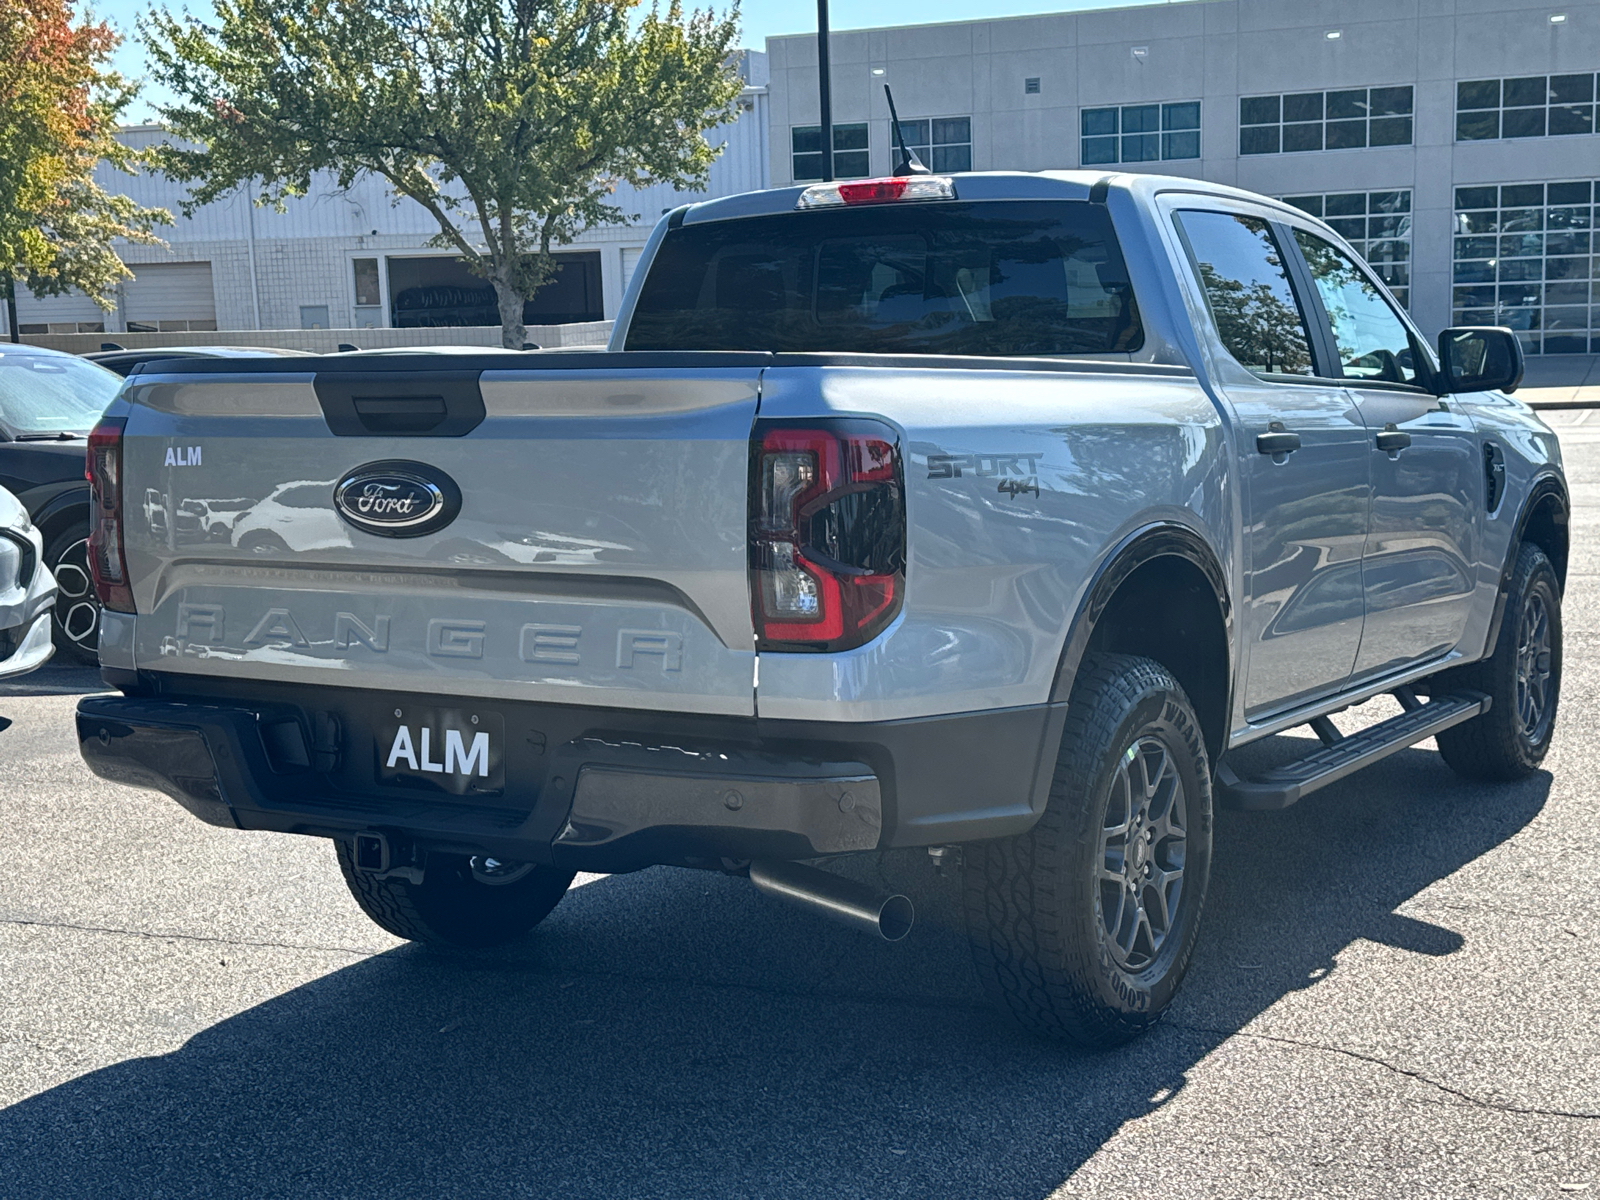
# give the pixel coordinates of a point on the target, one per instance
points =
(991, 185)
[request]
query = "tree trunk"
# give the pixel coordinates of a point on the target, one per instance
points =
(512, 332)
(8, 284)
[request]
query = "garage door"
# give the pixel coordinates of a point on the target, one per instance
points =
(169, 296)
(630, 262)
(71, 313)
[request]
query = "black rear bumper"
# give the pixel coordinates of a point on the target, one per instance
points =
(586, 788)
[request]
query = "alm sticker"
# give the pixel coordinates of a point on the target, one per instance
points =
(183, 456)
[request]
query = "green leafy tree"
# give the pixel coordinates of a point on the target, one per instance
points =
(59, 106)
(510, 121)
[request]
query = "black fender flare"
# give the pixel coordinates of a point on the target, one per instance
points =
(1158, 539)
(1547, 484)
(52, 506)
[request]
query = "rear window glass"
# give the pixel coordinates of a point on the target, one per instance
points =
(992, 278)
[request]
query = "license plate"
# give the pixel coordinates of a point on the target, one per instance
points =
(456, 750)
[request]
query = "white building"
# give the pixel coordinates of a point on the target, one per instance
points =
(1453, 141)
(358, 258)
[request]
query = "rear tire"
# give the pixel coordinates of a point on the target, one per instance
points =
(1083, 927)
(454, 906)
(75, 623)
(1522, 679)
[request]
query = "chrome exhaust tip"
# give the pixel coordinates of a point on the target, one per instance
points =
(890, 916)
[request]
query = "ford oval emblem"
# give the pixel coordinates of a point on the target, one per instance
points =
(395, 498)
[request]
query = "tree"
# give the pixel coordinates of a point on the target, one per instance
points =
(58, 111)
(510, 121)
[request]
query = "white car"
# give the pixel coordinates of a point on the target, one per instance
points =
(27, 592)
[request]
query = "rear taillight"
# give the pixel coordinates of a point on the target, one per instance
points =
(108, 565)
(827, 533)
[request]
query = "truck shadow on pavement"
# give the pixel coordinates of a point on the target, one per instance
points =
(674, 1034)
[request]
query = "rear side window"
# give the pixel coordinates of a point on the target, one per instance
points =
(1247, 286)
(991, 278)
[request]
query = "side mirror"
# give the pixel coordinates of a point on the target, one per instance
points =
(1479, 359)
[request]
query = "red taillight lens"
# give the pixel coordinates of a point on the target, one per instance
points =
(827, 534)
(108, 565)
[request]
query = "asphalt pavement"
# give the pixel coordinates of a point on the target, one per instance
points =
(1394, 995)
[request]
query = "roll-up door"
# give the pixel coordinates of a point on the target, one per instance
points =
(630, 261)
(169, 296)
(71, 313)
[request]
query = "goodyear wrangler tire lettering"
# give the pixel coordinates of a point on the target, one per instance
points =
(397, 498)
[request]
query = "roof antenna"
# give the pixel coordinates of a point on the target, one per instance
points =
(908, 163)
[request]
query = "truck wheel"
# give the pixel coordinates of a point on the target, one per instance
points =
(75, 624)
(1522, 678)
(461, 902)
(1083, 927)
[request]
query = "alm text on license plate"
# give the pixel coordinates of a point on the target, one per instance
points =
(456, 750)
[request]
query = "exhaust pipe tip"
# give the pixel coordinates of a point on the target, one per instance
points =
(896, 917)
(890, 916)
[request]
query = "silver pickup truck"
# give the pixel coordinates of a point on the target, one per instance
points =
(987, 513)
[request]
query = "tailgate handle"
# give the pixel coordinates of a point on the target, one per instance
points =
(392, 404)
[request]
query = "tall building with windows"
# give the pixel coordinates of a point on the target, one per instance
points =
(1452, 142)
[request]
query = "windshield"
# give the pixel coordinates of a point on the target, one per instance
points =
(50, 394)
(993, 278)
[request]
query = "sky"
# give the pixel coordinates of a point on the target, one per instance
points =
(761, 19)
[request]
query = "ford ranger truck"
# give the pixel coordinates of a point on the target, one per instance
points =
(987, 513)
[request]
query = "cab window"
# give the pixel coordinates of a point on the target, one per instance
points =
(1242, 270)
(1373, 343)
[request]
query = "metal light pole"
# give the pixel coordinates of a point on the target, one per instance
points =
(825, 91)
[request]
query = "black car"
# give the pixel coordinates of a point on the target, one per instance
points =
(124, 361)
(48, 403)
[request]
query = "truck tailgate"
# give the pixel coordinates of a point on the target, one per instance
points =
(598, 556)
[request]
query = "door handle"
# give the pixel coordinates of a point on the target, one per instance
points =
(1277, 441)
(1393, 440)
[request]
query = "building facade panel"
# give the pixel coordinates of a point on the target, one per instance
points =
(1381, 75)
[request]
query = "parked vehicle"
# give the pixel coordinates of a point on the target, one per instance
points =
(27, 592)
(123, 361)
(987, 513)
(48, 403)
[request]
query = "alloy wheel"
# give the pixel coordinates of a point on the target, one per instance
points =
(1533, 668)
(1142, 842)
(77, 612)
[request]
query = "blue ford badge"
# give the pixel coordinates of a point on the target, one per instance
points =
(395, 498)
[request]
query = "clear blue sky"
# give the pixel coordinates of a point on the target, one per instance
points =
(761, 19)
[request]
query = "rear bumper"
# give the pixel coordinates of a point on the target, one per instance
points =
(590, 789)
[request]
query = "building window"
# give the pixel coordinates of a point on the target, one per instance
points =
(1522, 259)
(1538, 106)
(1138, 133)
(63, 327)
(314, 316)
(1376, 224)
(1344, 120)
(849, 151)
(366, 274)
(205, 325)
(1030, 85)
(943, 143)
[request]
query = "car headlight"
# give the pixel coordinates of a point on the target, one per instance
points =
(16, 560)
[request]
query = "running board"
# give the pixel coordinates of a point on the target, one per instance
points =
(1341, 756)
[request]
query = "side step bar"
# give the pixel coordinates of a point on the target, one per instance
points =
(1341, 756)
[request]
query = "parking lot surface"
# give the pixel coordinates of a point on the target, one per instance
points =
(1394, 995)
